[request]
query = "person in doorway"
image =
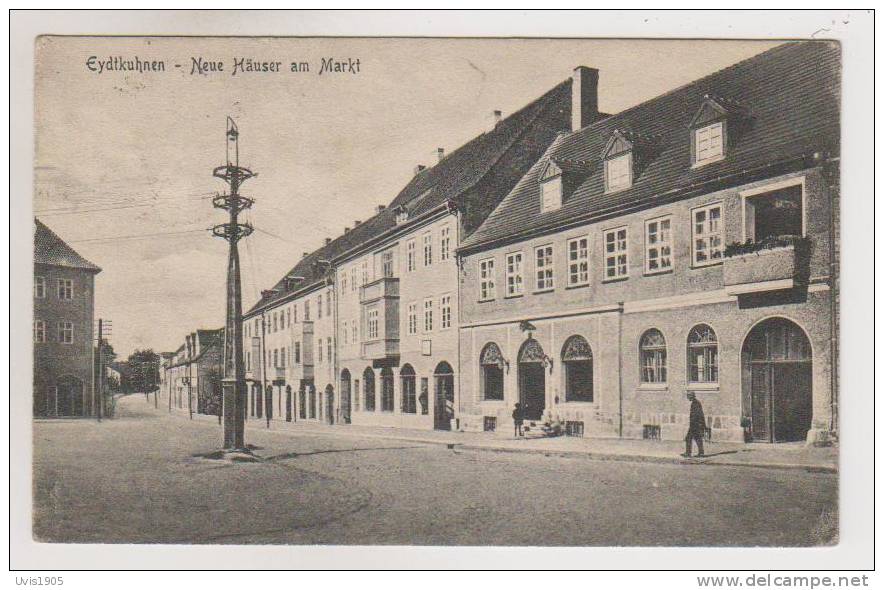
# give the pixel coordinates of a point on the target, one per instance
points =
(696, 427)
(518, 420)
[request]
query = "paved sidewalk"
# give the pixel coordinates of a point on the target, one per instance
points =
(774, 456)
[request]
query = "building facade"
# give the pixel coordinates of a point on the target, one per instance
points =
(687, 244)
(64, 302)
(190, 378)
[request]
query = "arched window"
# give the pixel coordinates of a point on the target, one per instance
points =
(577, 360)
(702, 355)
(493, 364)
(386, 389)
(653, 357)
(409, 390)
(368, 385)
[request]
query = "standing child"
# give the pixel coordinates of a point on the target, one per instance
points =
(518, 419)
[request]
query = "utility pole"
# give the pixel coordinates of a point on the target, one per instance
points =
(233, 384)
(100, 371)
(267, 401)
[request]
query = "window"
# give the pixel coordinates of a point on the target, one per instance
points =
(356, 397)
(410, 256)
(343, 281)
(387, 263)
(616, 263)
(328, 348)
(39, 287)
(257, 326)
(364, 272)
(543, 268)
(319, 307)
(353, 283)
(65, 289)
(428, 315)
(282, 357)
(289, 314)
(328, 303)
(658, 245)
(428, 249)
(445, 311)
(409, 390)
(248, 361)
(492, 363)
(708, 231)
(319, 349)
(295, 313)
(618, 172)
(273, 323)
(514, 281)
(445, 243)
(275, 358)
(306, 311)
(652, 350)
(298, 353)
(709, 143)
(368, 384)
(578, 262)
(486, 279)
(372, 323)
(774, 214)
(702, 355)
(551, 194)
(387, 389)
(412, 318)
(577, 360)
(355, 330)
(66, 332)
(345, 330)
(39, 331)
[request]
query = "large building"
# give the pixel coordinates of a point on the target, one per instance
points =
(593, 268)
(688, 243)
(64, 301)
(364, 329)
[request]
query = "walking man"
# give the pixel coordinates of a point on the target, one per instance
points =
(518, 419)
(696, 427)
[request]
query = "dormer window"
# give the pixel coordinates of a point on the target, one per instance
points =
(401, 215)
(619, 164)
(709, 143)
(716, 120)
(558, 180)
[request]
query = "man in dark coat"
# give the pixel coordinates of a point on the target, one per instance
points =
(696, 427)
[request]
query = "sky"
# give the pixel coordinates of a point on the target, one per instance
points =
(124, 160)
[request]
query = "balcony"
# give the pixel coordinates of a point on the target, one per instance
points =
(380, 349)
(386, 287)
(279, 376)
(772, 266)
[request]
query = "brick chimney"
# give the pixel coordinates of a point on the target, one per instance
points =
(346, 230)
(380, 208)
(584, 97)
(498, 117)
(440, 152)
(305, 254)
(419, 168)
(356, 223)
(327, 241)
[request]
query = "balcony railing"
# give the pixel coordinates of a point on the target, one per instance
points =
(380, 349)
(771, 266)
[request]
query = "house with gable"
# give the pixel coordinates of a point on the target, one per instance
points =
(686, 244)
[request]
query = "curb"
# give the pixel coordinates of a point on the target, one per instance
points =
(588, 455)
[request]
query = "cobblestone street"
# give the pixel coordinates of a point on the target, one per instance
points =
(138, 479)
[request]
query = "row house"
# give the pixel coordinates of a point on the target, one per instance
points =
(64, 309)
(190, 378)
(687, 244)
(380, 346)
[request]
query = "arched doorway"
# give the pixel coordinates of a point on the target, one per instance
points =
(443, 412)
(408, 389)
(577, 366)
(345, 396)
(368, 385)
(778, 381)
(492, 364)
(69, 396)
(330, 404)
(532, 379)
(288, 403)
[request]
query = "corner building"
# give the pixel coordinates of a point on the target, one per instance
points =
(689, 243)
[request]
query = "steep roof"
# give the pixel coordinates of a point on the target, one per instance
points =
(449, 180)
(209, 337)
(51, 249)
(787, 103)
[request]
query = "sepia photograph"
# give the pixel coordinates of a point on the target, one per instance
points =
(436, 291)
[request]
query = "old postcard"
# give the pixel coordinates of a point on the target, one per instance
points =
(436, 291)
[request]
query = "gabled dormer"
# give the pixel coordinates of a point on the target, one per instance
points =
(401, 214)
(711, 128)
(558, 179)
(619, 161)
